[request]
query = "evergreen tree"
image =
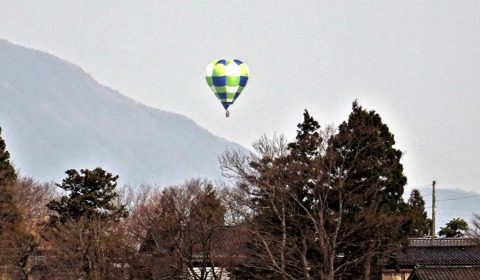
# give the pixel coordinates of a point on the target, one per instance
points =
(9, 213)
(371, 173)
(324, 210)
(91, 195)
(457, 227)
(82, 227)
(281, 191)
(420, 223)
(301, 163)
(364, 146)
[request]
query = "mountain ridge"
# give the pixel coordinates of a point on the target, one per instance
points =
(55, 115)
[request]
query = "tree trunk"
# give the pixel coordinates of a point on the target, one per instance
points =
(368, 263)
(331, 268)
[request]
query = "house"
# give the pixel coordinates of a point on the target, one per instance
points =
(456, 258)
(446, 273)
(193, 252)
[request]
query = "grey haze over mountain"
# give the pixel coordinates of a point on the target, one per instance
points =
(54, 117)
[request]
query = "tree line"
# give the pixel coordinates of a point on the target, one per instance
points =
(327, 205)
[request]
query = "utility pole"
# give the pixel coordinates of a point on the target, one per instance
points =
(433, 211)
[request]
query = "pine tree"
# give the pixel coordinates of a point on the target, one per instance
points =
(9, 213)
(420, 226)
(368, 168)
(457, 227)
(308, 140)
(301, 163)
(91, 195)
(81, 229)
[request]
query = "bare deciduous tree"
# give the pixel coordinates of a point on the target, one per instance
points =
(22, 242)
(474, 231)
(185, 230)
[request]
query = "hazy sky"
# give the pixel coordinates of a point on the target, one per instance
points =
(415, 62)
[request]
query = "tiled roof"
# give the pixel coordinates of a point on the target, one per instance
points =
(441, 242)
(446, 273)
(441, 256)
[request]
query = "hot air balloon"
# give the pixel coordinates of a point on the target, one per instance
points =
(227, 79)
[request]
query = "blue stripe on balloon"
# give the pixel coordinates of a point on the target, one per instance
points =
(236, 95)
(222, 61)
(238, 62)
(222, 95)
(243, 81)
(220, 81)
(226, 104)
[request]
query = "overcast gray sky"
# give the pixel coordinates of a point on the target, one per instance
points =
(415, 62)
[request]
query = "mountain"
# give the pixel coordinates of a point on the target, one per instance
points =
(54, 117)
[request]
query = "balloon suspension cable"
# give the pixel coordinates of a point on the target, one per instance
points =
(227, 113)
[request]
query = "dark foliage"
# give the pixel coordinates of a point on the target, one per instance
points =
(91, 194)
(363, 150)
(325, 209)
(421, 225)
(457, 227)
(9, 214)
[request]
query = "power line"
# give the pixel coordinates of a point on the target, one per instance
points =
(459, 209)
(450, 212)
(455, 198)
(460, 197)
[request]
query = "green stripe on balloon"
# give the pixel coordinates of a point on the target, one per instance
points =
(220, 89)
(219, 70)
(209, 81)
(243, 70)
(233, 81)
(231, 96)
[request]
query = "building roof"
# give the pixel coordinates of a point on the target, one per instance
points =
(441, 256)
(440, 252)
(446, 273)
(442, 242)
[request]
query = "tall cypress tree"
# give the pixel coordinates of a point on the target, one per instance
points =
(374, 181)
(420, 223)
(365, 146)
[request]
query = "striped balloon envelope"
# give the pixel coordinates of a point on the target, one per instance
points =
(227, 78)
